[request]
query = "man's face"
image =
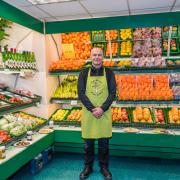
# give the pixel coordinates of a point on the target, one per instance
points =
(97, 56)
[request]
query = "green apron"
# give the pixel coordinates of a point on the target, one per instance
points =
(97, 92)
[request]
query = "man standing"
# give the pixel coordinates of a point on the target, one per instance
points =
(96, 90)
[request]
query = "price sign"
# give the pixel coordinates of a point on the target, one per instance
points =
(68, 50)
(73, 102)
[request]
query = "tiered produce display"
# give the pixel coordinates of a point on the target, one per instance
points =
(131, 50)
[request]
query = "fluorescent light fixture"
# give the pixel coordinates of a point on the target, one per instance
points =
(47, 1)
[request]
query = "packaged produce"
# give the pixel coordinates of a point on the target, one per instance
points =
(126, 48)
(112, 48)
(97, 36)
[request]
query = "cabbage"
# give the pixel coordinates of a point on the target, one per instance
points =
(18, 130)
(5, 127)
(3, 122)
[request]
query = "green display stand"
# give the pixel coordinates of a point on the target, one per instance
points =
(11, 165)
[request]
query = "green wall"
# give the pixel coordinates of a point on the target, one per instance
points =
(135, 21)
(147, 20)
(15, 15)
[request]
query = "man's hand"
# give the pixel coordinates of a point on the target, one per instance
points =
(97, 112)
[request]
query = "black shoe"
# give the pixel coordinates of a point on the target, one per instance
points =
(106, 173)
(86, 172)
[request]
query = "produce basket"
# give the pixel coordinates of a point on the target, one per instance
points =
(143, 123)
(173, 50)
(114, 35)
(63, 117)
(114, 47)
(120, 48)
(121, 123)
(172, 124)
(126, 32)
(160, 120)
(173, 63)
(97, 36)
(165, 31)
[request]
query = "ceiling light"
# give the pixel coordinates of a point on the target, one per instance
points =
(47, 1)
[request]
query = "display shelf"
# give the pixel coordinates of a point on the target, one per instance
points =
(18, 107)
(149, 102)
(69, 101)
(130, 70)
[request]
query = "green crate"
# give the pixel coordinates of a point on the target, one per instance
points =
(173, 62)
(127, 124)
(165, 34)
(171, 125)
(64, 118)
(113, 56)
(164, 114)
(142, 123)
(172, 52)
(119, 52)
(127, 38)
(112, 40)
(97, 36)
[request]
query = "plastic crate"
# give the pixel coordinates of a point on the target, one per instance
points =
(124, 124)
(142, 123)
(127, 38)
(129, 55)
(171, 125)
(48, 154)
(64, 118)
(36, 164)
(172, 52)
(165, 34)
(97, 36)
(114, 38)
(112, 44)
(164, 114)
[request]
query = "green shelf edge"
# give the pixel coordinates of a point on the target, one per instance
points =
(15, 15)
(121, 71)
(18, 107)
(59, 100)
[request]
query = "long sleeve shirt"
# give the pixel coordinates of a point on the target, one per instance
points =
(82, 81)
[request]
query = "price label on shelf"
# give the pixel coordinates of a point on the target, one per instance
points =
(114, 103)
(37, 104)
(68, 50)
(73, 102)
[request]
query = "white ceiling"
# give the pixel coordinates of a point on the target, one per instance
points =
(83, 9)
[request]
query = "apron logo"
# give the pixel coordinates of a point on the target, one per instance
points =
(97, 87)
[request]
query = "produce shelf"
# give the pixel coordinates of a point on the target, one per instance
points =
(130, 70)
(149, 102)
(60, 100)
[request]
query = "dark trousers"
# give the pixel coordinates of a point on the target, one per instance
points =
(103, 151)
